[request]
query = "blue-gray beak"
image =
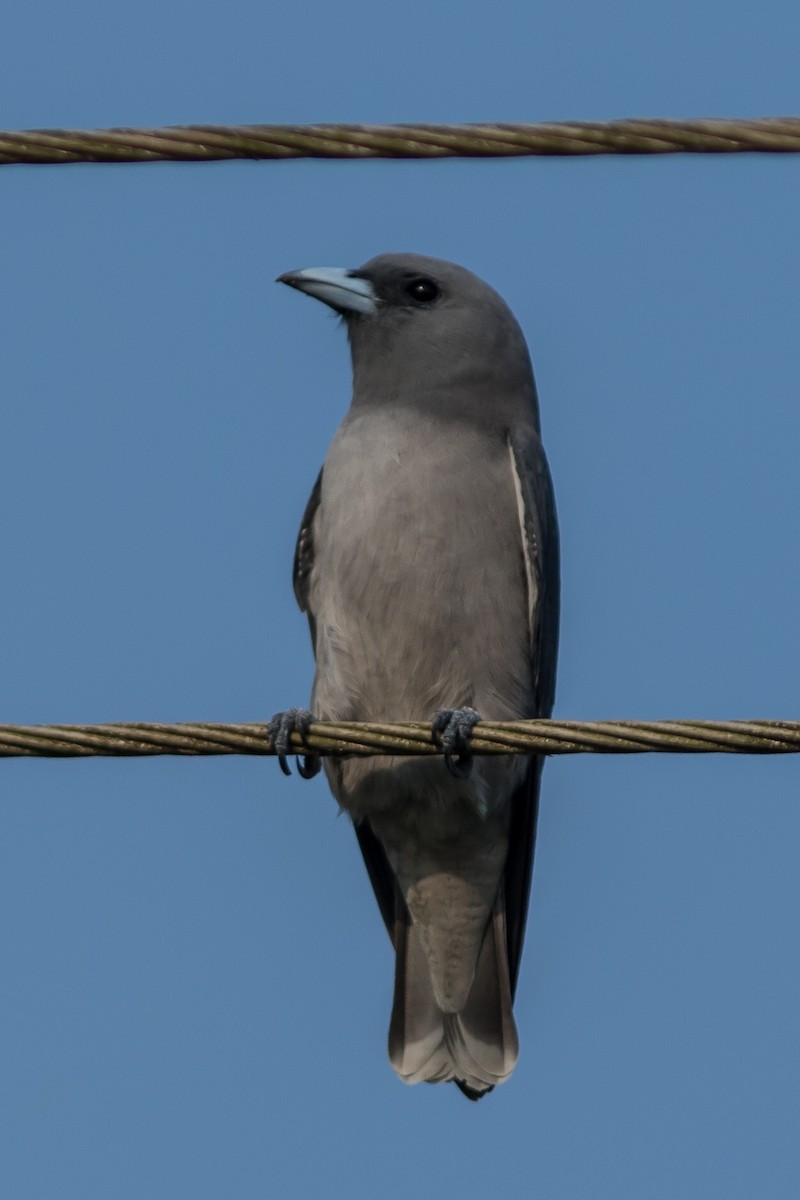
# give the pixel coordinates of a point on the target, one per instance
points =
(339, 288)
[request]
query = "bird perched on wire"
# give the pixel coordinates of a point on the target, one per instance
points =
(427, 563)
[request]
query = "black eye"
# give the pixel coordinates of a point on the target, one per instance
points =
(423, 290)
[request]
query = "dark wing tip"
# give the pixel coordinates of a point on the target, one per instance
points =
(472, 1093)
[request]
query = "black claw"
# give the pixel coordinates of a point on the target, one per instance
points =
(308, 766)
(452, 729)
(281, 728)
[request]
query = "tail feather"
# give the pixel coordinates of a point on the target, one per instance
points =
(476, 1047)
(417, 1049)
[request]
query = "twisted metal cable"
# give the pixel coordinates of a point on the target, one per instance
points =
(206, 143)
(489, 737)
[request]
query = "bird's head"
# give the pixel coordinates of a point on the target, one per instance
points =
(419, 326)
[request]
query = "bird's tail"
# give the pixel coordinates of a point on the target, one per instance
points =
(476, 1047)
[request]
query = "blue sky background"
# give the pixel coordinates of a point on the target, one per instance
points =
(196, 984)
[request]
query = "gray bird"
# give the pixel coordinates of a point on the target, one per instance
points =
(427, 562)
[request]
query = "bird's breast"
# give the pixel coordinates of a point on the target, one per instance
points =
(418, 586)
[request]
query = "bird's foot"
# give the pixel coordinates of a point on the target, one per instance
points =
(452, 729)
(281, 728)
